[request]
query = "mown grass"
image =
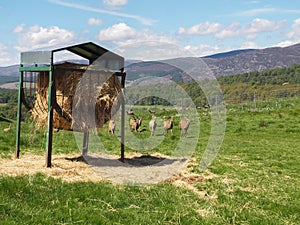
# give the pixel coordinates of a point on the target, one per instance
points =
(256, 178)
(44, 200)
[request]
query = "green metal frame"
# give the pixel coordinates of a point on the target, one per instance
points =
(87, 50)
(20, 101)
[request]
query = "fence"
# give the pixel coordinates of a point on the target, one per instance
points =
(253, 101)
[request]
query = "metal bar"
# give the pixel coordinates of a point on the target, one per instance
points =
(36, 68)
(30, 87)
(85, 142)
(58, 68)
(19, 116)
(123, 117)
(51, 91)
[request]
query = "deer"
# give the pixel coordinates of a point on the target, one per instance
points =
(130, 112)
(135, 124)
(151, 111)
(7, 129)
(111, 126)
(168, 125)
(184, 126)
(152, 125)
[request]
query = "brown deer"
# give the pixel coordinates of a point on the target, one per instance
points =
(111, 126)
(7, 129)
(135, 124)
(184, 126)
(152, 125)
(168, 125)
(130, 112)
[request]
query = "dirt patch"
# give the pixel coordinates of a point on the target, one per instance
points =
(13, 85)
(66, 170)
(136, 169)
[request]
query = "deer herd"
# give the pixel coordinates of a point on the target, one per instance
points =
(135, 124)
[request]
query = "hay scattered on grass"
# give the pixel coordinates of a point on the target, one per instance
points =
(186, 179)
(73, 168)
(67, 170)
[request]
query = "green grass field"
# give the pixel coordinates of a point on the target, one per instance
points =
(256, 177)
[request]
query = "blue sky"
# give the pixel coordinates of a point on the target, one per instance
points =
(201, 27)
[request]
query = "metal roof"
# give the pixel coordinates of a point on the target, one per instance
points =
(88, 50)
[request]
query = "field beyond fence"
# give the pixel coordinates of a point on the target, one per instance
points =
(254, 179)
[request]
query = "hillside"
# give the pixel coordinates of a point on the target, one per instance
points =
(259, 86)
(222, 64)
(230, 53)
(256, 60)
(9, 71)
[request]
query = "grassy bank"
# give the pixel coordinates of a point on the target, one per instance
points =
(255, 178)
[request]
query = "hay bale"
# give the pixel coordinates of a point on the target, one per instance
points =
(88, 89)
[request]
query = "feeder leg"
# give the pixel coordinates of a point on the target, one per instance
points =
(51, 92)
(122, 131)
(19, 116)
(85, 142)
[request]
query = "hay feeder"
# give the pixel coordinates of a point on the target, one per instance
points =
(48, 91)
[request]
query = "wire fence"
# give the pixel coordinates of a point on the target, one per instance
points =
(253, 101)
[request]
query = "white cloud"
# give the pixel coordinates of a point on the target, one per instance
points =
(293, 37)
(295, 33)
(258, 26)
(37, 37)
(262, 25)
(143, 20)
(201, 29)
(234, 29)
(114, 4)
(122, 34)
(118, 32)
(5, 58)
(285, 43)
(264, 11)
(249, 45)
(141, 44)
(94, 21)
(255, 12)
(229, 31)
(203, 49)
(19, 28)
(152, 51)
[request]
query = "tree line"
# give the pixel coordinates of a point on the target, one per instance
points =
(264, 85)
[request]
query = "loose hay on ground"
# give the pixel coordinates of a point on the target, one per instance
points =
(70, 168)
(61, 168)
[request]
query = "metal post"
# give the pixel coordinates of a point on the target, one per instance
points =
(50, 119)
(19, 116)
(254, 100)
(123, 118)
(85, 142)
(122, 130)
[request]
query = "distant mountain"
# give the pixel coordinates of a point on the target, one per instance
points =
(9, 71)
(128, 62)
(222, 64)
(230, 53)
(255, 60)
(155, 69)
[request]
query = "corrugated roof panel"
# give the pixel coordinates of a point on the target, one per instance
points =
(94, 52)
(90, 51)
